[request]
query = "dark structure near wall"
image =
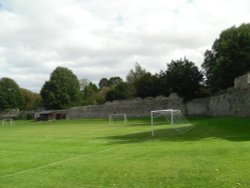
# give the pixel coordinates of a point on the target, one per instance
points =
(50, 115)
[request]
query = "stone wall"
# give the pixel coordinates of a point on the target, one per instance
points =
(133, 108)
(242, 82)
(13, 113)
(233, 102)
(197, 107)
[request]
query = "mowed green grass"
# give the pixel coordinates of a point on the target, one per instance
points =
(92, 153)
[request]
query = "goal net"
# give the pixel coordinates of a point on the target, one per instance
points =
(118, 118)
(8, 122)
(171, 117)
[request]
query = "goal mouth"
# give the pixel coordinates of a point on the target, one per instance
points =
(118, 118)
(8, 122)
(173, 118)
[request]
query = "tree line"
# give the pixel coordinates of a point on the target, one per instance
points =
(228, 58)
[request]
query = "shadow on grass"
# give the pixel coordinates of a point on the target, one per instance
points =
(232, 129)
(134, 121)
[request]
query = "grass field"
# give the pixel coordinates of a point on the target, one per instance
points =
(92, 154)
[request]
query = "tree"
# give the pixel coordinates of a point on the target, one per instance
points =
(10, 95)
(147, 86)
(136, 73)
(100, 96)
(109, 87)
(228, 58)
(83, 83)
(62, 90)
(119, 92)
(31, 100)
(89, 94)
(133, 76)
(163, 85)
(183, 78)
(113, 81)
(104, 82)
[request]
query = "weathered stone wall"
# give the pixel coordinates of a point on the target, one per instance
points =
(133, 108)
(14, 113)
(242, 82)
(233, 102)
(197, 107)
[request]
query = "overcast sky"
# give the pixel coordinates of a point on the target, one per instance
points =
(104, 38)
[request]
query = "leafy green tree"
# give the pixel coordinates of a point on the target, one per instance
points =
(100, 96)
(133, 76)
(148, 86)
(104, 82)
(184, 78)
(119, 92)
(89, 93)
(228, 58)
(90, 90)
(62, 90)
(113, 81)
(10, 95)
(83, 83)
(31, 100)
(136, 73)
(163, 85)
(107, 87)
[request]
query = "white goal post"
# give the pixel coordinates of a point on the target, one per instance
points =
(123, 117)
(166, 112)
(8, 122)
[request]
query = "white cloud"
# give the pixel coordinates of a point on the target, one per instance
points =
(98, 38)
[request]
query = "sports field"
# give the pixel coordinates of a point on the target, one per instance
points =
(93, 154)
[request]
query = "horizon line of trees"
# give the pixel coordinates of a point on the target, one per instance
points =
(228, 58)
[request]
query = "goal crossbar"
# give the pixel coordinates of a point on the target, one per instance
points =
(8, 121)
(171, 112)
(121, 115)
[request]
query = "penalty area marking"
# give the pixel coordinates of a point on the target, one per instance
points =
(58, 162)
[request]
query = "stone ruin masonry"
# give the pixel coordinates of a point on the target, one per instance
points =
(233, 102)
(132, 108)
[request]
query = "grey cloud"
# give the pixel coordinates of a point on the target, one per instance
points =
(97, 39)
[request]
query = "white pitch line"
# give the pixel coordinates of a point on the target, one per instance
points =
(58, 162)
(62, 161)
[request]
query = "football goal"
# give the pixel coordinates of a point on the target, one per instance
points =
(118, 118)
(172, 117)
(8, 122)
